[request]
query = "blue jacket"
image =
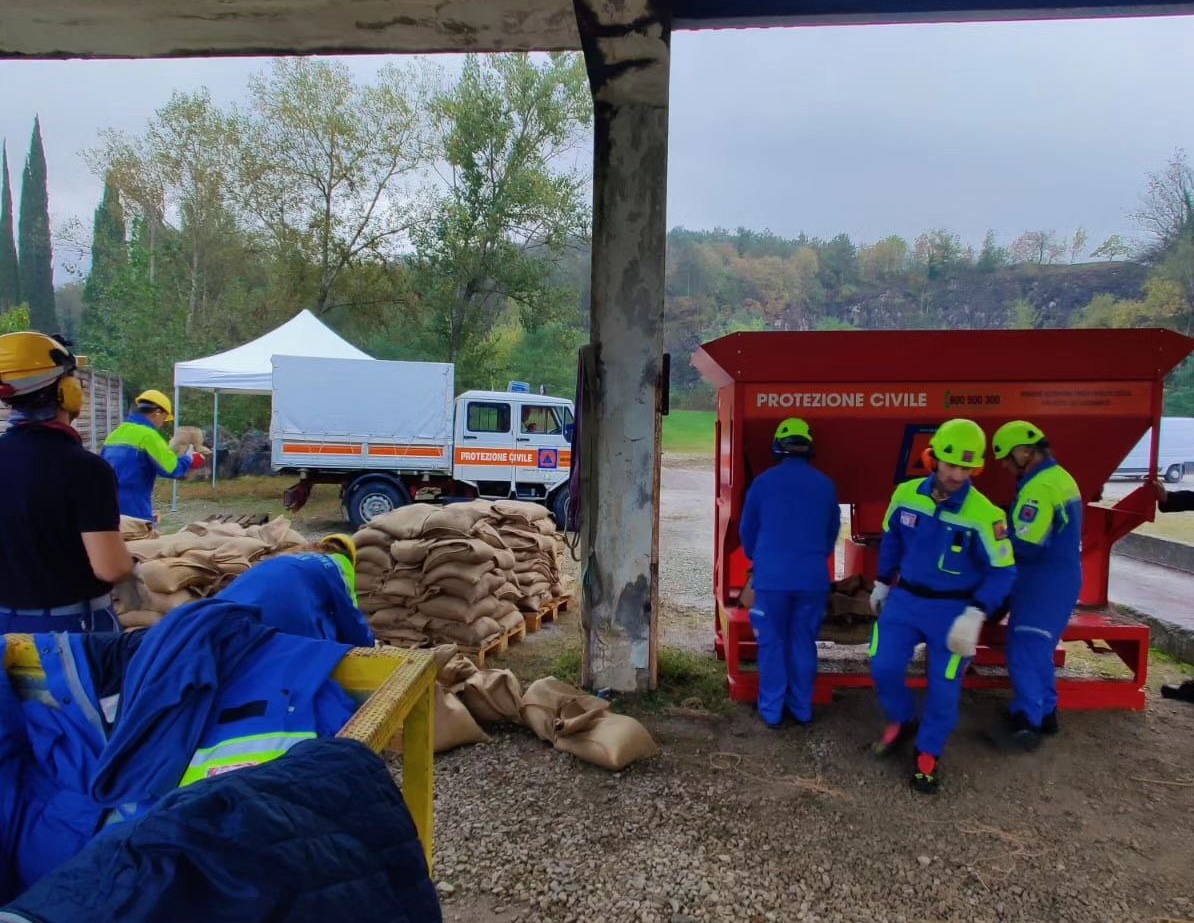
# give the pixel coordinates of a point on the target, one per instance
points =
(321, 834)
(207, 672)
(789, 528)
(958, 547)
(302, 594)
(138, 454)
(1046, 528)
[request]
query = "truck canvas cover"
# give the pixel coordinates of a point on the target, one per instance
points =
(355, 414)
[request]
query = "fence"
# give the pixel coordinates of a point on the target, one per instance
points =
(103, 407)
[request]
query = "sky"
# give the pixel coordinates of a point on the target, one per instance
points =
(868, 130)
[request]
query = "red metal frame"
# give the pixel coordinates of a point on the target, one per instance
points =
(873, 397)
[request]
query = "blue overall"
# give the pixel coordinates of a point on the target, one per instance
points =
(1047, 536)
(948, 555)
(139, 456)
(789, 528)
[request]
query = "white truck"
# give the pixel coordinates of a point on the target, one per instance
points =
(392, 433)
(1175, 452)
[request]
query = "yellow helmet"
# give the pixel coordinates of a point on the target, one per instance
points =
(792, 438)
(793, 427)
(959, 442)
(343, 543)
(159, 400)
(31, 362)
(1010, 435)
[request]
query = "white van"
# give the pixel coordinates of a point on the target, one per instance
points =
(1174, 455)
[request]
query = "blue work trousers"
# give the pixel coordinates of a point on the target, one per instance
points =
(786, 626)
(906, 621)
(1035, 626)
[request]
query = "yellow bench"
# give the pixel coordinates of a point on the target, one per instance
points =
(395, 689)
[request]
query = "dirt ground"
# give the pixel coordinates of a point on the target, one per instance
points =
(734, 822)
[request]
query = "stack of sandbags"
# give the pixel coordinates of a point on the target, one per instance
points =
(200, 561)
(530, 532)
(848, 615)
(584, 726)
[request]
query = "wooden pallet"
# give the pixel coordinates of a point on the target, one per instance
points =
(477, 655)
(548, 612)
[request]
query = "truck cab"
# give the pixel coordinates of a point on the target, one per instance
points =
(512, 444)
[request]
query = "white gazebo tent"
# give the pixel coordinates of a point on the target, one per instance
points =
(248, 369)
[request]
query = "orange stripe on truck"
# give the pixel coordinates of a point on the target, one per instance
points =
(301, 448)
(518, 458)
(406, 451)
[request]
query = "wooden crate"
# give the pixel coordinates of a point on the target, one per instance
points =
(395, 689)
(548, 612)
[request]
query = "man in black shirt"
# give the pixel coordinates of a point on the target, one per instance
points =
(60, 545)
(1175, 501)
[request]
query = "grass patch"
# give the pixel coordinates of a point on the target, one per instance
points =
(689, 432)
(686, 680)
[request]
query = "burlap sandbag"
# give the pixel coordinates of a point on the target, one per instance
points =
(275, 533)
(547, 527)
(368, 583)
(409, 551)
(520, 509)
(166, 603)
(529, 603)
(132, 530)
(508, 591)
(513, 620)
(468, 590)
(457, 517)
(454, 726)
(226, 529)
(447, 608)
(454, 669)
(492, 696)
(377, 559)
(141, 618)
(546, 699)
(369, 537)
(612, 742)
(373, 604)
(405, 522)
(473, 634)
(470, 573)
(187, 440)
(485, 531)
(400, 588)
(403, 636)
(459, 551)
(169, 575)
(392, 617)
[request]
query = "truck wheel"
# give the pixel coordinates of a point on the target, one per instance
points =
(1173, 474)
(559, 508)
(373, 498)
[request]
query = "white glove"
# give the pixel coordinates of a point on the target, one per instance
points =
(879, 597)
(964, 632)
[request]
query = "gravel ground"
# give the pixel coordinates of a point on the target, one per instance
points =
(732, 822)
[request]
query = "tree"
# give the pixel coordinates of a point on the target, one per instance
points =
(882, 260)
(14, 320)
(1024, 315)
(322, 163)
(509, 207)
(992, 256)
(109, 254)
(940, 252)
(1113, 248)
(36, 254)
(10, 272)
(1166, 210)
(1077, 244)
(1040, 247)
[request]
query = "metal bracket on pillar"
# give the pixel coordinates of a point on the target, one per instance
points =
(627, 53)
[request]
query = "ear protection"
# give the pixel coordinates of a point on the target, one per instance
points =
(70, 394)
(929, 460)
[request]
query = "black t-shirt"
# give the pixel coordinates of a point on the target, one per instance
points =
(52, 490)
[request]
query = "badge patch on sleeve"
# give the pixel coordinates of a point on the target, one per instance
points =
(908, 519)
(1027, 513)
(1000, 530)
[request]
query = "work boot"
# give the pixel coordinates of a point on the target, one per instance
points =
(1015, 734)
(926, 774)
(1049, 724)
(1183, 692)
(895, 735)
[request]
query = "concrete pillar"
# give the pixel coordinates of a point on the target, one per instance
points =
(627, 52)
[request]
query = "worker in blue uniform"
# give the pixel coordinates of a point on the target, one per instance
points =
(789, 529)
(1046, 532)
(139, 455)
(312, 593)
(948, 546)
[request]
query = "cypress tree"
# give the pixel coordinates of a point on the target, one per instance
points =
(36, 255)
(10, 273)
(109, 254)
